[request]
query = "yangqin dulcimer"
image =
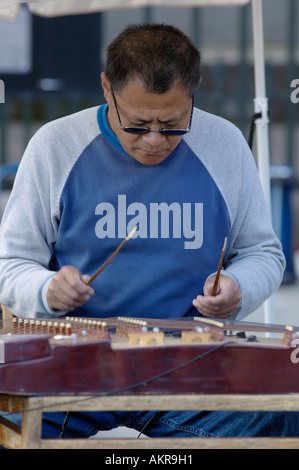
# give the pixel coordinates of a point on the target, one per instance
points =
(137, 356)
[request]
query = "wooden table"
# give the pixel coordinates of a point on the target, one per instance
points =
(29, 435)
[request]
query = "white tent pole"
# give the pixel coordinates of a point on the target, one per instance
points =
(260, 101)
(261, 124)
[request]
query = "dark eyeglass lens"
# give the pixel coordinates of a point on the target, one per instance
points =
(145, 130)
(136, 130)
(173, 132)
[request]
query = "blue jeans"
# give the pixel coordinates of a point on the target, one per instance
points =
(171, 423)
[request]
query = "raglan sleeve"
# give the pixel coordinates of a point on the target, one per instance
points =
(254, 257)
(28, 231)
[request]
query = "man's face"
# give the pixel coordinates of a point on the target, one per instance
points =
(139, 108)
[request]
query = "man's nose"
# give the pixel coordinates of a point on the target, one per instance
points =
(153, 138)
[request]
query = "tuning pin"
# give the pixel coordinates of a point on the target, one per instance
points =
(288, 336)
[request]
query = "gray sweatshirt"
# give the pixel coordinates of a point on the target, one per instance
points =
(77, 194)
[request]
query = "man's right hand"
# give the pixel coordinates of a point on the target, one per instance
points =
(68, 289)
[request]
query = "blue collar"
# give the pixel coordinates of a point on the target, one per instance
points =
(105, 129)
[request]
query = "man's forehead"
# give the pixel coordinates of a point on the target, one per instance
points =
(134, 97)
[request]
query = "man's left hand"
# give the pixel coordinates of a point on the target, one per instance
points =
(224, 304)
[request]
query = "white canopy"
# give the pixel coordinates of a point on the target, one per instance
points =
(10, 8)
(50, 8)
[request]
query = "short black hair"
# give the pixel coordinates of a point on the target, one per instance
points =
(161, 55)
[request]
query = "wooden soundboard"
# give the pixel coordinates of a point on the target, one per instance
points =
(144, 356)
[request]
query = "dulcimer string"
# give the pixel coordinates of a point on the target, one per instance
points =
(179, 324)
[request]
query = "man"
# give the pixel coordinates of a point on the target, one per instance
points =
(184, 178)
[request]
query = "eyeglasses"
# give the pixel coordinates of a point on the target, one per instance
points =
(147, 130)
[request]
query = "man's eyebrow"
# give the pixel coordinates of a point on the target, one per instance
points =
(162, 121)
(140, 120)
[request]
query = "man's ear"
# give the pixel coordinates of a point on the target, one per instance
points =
(105, 85)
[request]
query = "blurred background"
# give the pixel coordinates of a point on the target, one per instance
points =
(51, 67)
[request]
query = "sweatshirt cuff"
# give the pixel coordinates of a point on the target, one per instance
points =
(44, 291)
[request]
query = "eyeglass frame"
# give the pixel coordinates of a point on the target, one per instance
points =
(147, 130)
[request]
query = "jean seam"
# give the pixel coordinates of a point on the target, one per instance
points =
(188, 429)
(89, 431)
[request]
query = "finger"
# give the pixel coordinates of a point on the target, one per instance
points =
(63, 303)
(75, 282)
(209, 285)
(68, 290)
(65, 298)
(85, 278)
(204, 305)
(212, 307)
(61, 288)
(221, 314)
